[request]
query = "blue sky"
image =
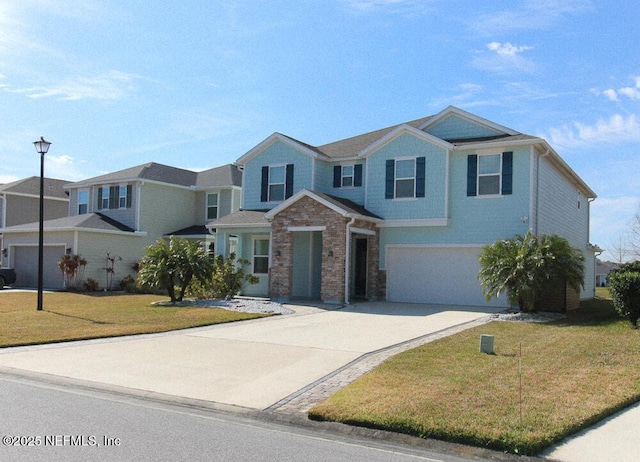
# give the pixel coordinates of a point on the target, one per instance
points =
(196, 84)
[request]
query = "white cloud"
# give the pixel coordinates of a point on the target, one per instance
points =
(112, 85)
(532, 15)
(632, 93)
(504, 58)
(616, 128)
(507, 49)
(391, 6)
(63, 167)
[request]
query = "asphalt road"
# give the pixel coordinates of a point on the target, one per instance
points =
(58, 422)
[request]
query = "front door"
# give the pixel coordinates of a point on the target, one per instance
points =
(360, 268)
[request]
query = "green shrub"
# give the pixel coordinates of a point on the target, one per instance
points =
(625, 291)
(227, 280)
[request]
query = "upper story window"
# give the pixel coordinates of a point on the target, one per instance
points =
(83, 201)
(260, 254)
(346, 176)
(103, 199)
(122, 196)
(490, 174)
(114, 197)
(277, 183)
(405, 178)
(212, 206)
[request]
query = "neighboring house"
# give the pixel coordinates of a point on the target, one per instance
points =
(118, 214)
(20, 204)
(603, 268)
(400, 213)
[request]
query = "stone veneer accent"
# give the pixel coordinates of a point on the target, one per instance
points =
(309, 212)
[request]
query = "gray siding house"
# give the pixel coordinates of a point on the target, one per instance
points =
(117, 215)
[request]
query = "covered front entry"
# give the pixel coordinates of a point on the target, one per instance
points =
(322, 248)
(307, 265)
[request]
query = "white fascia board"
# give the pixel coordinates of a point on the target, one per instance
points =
(78, 230)
(211, 226)
(400, 130)
(306, 228)
(498, 144)
(274, 138)
(452, 110)
(412, 223)
(296, 197)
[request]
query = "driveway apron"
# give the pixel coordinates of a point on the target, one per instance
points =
(252, 364)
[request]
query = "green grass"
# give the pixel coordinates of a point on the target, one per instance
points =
(71, 316)
(574, 373)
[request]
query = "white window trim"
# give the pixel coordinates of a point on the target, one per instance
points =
(107, 189)
(217, 206)
(120, 196)
(352, 176)
(83, 203)
(499, 174)
(284, 183)
(396, 178)
(260, 237)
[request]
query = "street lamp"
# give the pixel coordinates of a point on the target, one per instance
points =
(42, 147)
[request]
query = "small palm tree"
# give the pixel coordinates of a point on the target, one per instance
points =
(173, 265)
(523, 265)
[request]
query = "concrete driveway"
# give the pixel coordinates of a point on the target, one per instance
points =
(252, 364)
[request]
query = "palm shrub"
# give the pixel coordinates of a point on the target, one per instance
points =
(625, 291)
(523, 265)
(173, 265)
(229, 276)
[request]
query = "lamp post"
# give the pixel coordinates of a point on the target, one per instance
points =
(42, 147)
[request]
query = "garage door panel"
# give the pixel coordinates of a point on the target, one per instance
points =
(25, 262)
(435, 275)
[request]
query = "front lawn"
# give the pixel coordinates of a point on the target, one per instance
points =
(71, 316)
(574, 372)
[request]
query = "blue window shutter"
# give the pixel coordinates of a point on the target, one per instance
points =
(129, 195)
(357, 175)
(507, 172)
(472, 175)
(389, 178)
(288, 190)
(337, 176)
(264, 188)
(99, 198)
(420, 176)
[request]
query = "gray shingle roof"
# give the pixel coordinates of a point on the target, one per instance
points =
(31, 186)
(242, 218)
(350, 147)
(94, 221)
(227, 175)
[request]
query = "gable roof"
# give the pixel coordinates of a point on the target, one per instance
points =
(31, 187)
(87, 222)
(227, 175)
(344, 207)
(452, 110)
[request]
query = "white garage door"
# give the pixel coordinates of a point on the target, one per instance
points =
(447, 276)
(25, 262)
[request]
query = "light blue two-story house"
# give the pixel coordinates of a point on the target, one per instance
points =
(400, 213)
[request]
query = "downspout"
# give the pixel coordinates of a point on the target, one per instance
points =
(347, 260)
